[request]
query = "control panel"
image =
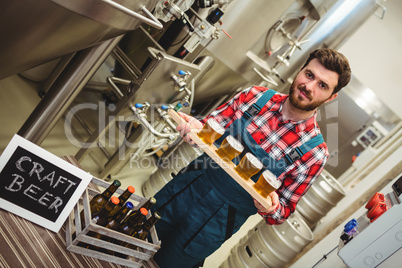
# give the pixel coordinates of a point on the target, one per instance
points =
(377, 234)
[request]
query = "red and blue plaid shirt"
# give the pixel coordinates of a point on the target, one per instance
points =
(277, 138)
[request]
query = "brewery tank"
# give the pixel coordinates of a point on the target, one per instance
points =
(332, 22)
(36, 32)
(336, 26)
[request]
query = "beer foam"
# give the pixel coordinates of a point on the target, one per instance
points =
(271, 179)
(216, 126)
(235, 143)
(254, 160)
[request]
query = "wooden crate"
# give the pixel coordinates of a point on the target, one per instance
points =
(77, 239)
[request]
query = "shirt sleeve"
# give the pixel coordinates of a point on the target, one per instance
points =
(235, 107)
(296, 183)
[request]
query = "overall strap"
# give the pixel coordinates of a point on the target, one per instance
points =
(296, 153)
(256, 107)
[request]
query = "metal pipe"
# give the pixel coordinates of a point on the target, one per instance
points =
(151, 20)
(127, 64)
(89, 132)
(111, 81)
(64, 90)
(166, 117)
(150, 128)
(61, 65)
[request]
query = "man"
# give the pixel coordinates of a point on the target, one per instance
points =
(202, 206)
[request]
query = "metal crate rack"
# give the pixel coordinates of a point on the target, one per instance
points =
(77, 238)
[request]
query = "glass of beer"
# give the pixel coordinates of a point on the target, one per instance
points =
(267, 183)
(211, 131)
(249, 165)
(230, 148)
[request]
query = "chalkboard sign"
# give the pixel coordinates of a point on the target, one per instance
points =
(38, 185)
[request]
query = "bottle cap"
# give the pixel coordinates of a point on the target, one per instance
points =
(157, 214)
(131, 189)
(115, 200)
(129, 205)
(144, 211)
(117, 183)
(349, 228)
(351, 222)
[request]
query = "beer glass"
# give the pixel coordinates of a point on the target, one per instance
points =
(267, 183)
(249, 165)
(211, 131)
(230, 148)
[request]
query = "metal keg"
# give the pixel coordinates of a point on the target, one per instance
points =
(322, 196)
(271, 245)
(169, 168)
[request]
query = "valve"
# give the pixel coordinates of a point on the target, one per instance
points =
(181, 81)
(178, 107)
(141, 109)
(175, 11)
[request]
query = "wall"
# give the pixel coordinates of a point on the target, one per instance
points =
(374, 55)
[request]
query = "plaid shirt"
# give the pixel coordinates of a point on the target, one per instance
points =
(277, 138)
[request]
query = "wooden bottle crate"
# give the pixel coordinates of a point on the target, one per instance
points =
(79, 241)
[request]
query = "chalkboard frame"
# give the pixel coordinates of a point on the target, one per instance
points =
(64, 166)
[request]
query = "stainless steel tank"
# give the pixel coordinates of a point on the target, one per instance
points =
(246, 22)
(339, 23)
(35, 32)
(250, 21)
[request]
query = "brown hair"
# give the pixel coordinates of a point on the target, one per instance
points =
(333, 61)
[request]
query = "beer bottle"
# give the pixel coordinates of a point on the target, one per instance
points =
(128, 226)
(101, 216)
(147, 205)
(101, 219)
(141, 231)
(123, 198)
(114, 221)
(100, 200)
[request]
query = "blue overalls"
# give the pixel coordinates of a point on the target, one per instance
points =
(203, 206)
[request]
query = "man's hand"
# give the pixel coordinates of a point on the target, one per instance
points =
(191, 125)
(275, 202)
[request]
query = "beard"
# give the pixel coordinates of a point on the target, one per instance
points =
(296, 101)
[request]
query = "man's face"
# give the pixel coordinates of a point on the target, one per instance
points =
(313, 86)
